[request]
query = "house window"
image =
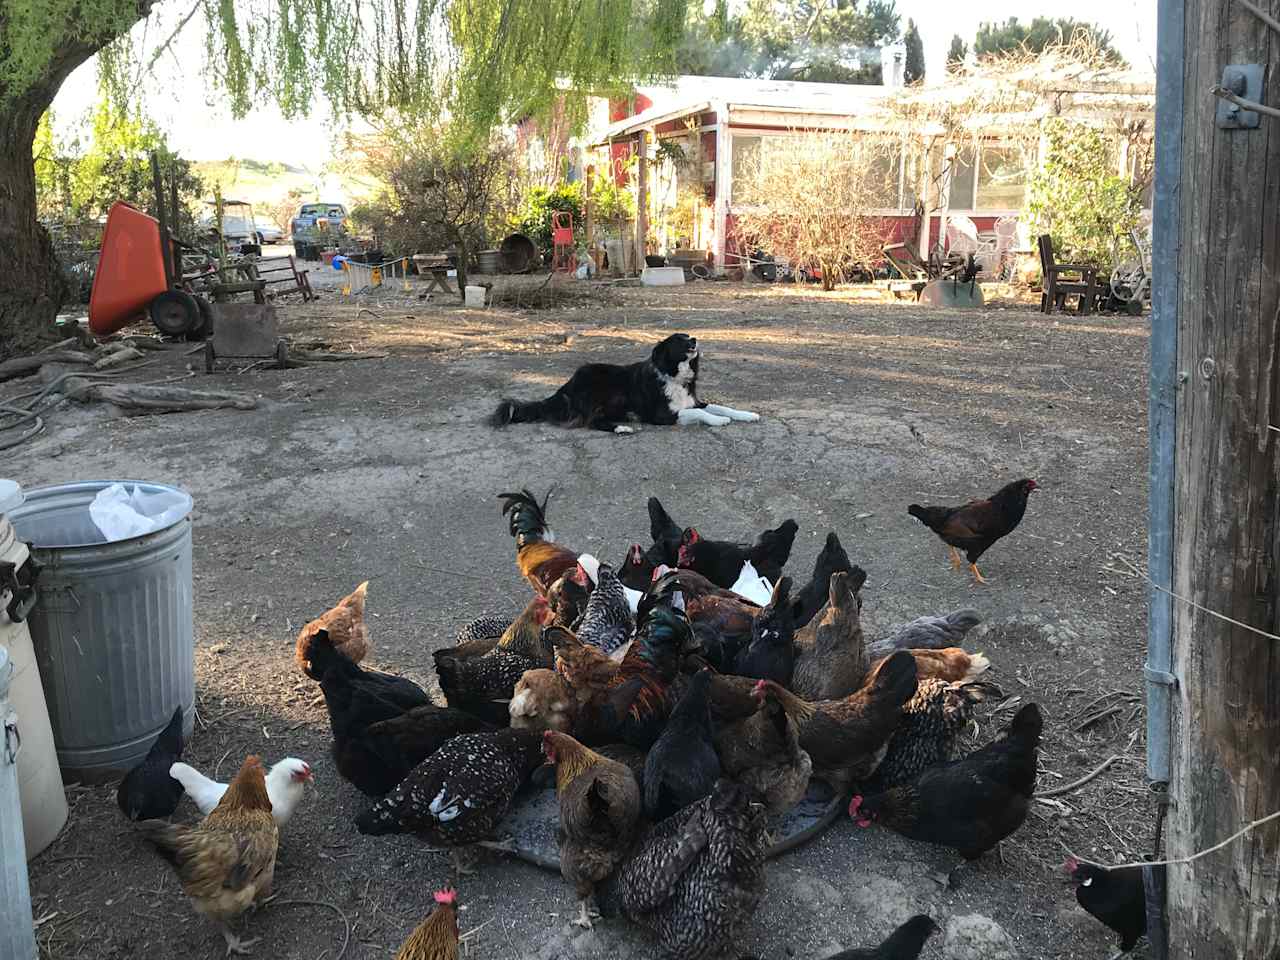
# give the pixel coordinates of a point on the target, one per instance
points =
(746, 160)
(1002, 179)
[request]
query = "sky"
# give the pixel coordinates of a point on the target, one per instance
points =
(176, 96)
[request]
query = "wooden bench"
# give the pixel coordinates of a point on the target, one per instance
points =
(1058, 284)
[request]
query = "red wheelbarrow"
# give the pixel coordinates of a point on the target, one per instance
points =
(135, 277)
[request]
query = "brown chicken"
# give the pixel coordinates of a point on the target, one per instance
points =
(226, 862)
(976, 525)
(435, 938)
(543, 701)
(848, 738)
(541, 560)
(721, 620)
(950, 664)
(599, 813)
(832, 658)
(347, 632)
(763, 753)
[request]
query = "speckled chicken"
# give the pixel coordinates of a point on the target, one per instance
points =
(763, 753)
(459, 794)
(927, 633)
(931, 722)
(695, 877)
(345, 627)
(831, 659)
(599, 815)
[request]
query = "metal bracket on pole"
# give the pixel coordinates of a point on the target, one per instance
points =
(1244, 82)
(1162, 677)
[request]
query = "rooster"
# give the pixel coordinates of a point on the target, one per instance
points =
(344, 625)
(599, 814)
(435, 938)
(697, 876)
(969, 804)
(227, 861)
(540, 559)
(973, 527)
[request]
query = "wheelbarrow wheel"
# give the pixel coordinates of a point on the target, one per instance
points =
(175, 313)
(205, 327)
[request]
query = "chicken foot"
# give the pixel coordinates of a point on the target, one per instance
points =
(977, 575)
(234, 944)
(587, 912)
(955, 559)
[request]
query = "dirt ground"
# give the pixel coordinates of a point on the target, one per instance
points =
(383, 469)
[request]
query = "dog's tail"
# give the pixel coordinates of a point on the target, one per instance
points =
(519, 411)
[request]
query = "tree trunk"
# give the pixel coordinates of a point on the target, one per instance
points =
(1226, 551)
(31, 284)
(464, 253)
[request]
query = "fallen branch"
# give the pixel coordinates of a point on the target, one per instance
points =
(156, 399)
(1076, 784)
(324, 356)
(346, 933)
(21, 366)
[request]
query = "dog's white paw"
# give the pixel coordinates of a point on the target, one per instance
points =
(713, 421)
(623, 428)
(746, 416)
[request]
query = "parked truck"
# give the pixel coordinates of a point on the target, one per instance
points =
(318, 226)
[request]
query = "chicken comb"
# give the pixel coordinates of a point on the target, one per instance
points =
(448, 896)
(1072, 865)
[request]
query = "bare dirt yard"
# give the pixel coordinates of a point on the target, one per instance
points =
(384, 470)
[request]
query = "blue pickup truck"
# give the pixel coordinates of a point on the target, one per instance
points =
(318, 226)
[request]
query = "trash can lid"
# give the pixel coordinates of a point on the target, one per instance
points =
(11, 496)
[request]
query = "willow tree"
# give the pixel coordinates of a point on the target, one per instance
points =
(480, 62)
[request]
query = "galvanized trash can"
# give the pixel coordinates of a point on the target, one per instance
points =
(43, 802)
(17, 935)
(112, 627)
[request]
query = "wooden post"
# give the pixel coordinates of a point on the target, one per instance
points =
(642, 197)
(589, 223)
(724, 188)
(1226, 538)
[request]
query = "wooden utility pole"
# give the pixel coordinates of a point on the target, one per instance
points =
(1225, 745)
(642, 197)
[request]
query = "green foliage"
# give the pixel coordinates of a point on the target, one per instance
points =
(540, 203)
(817, 40)
(1078, 197)
(913, 69)
(957, 51)
(77, 183)
(995, 38)
(610, 204)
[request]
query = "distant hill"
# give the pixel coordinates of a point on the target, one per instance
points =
(268, 185)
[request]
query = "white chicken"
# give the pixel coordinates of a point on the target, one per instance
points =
(286, 784)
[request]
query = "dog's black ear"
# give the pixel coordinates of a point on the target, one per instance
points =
(664, 356)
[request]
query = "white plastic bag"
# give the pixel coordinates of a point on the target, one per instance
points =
(120, 514)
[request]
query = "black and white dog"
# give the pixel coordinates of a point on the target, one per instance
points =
(662, 390)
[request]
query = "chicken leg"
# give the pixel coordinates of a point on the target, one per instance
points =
(234, 944)
(586, 914)
(977, 575)
(955, 559)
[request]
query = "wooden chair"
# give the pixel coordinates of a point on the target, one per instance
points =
(1057, 287)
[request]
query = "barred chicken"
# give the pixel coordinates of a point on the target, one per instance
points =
(607, 622)
(599, 815)
(697, 876)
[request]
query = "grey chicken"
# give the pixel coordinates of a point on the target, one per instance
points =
(607, 623)
(696, 876)
(926, 633)
(926, 734)
(459, 794)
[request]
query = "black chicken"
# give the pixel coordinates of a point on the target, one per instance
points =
(771, 654)
(665, 534)
(406, 740)
(682, 767)
(1117, 897)
(905, 943)
(832, 558)
(720, 561)
(696, 876)
(147, 792)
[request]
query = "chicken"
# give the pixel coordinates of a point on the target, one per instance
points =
(540, 559)
(905, 943)
(976, 525)
(926, 734)
(654, 659)
(587, 669)
(848, 738)
(404, 741)
(435, 938)
(356, 699)
(482, 629)
(286, 784)
(950, 664)
(568, 597)
(682, 767)
(927, 633)
(599, 814)
(1116, 897)
(731, 698)
(400, 691)
(763, 753)
(636, 570)
(607, 623)
(665, 534)
(831, 559)
(147, 792)
(481, 681)
(344, 625)
(721, 620)
(831, 660)
(771, 654)
(720, 561)
(459, 794)
(969, 804)
(227, 861)
(543, 701)
(695, 877)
